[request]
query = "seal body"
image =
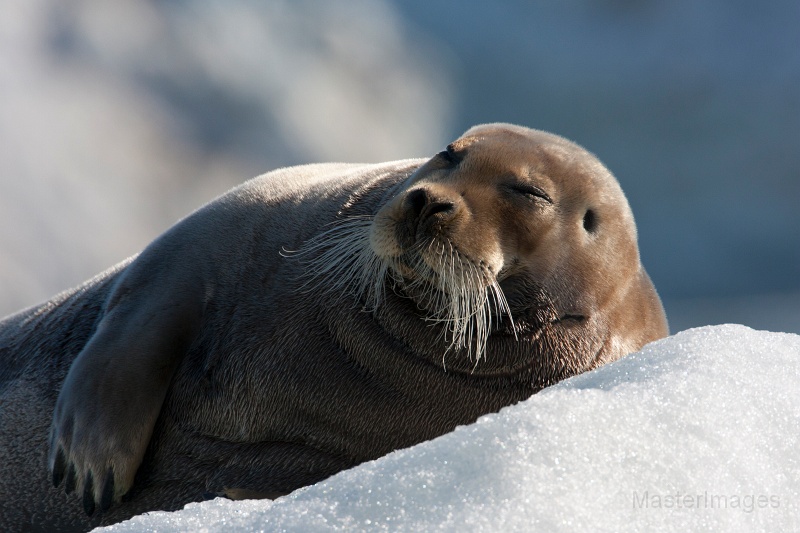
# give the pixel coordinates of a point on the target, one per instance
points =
(314, 318)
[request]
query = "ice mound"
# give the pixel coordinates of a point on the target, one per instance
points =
(699, 431)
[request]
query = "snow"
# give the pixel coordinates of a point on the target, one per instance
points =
(695, 432)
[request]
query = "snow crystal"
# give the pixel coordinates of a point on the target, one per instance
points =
(695, 432)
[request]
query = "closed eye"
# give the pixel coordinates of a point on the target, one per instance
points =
(531, 191)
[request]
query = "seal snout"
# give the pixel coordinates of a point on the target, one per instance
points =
(425, 212)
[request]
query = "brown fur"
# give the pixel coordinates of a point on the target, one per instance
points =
(212, 363)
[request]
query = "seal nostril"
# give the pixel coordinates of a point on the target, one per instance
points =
(416, 201)
(439, 207)
(422, 211)
(421, 205)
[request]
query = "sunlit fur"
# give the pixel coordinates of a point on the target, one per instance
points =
(447, 286)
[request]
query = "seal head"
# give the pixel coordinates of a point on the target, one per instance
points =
(509, 240)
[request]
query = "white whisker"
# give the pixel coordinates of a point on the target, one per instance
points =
(461, 295)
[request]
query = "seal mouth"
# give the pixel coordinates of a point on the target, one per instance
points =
(527, 328)
(520, 328)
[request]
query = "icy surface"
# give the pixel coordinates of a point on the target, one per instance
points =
(696, 432)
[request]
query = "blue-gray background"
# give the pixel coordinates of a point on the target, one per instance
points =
(117, 118)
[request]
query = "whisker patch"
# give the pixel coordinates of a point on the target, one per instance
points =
(455, 291)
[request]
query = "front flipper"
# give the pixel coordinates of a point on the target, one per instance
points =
(113, 393)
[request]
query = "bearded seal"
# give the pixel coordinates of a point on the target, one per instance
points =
(315, 318)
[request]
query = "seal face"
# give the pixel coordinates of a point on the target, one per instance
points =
(509, 233)
(318, 317)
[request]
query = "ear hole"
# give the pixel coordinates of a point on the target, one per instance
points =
(589, 221)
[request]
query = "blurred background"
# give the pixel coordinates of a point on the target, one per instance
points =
(118, 118)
